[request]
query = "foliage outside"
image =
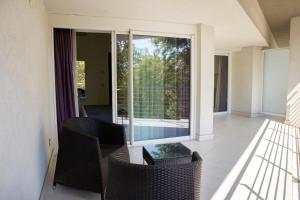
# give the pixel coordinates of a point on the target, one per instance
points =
(80, 75)
(161, 77)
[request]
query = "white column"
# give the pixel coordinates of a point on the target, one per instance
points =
(293, 98)
(205, 81)
(257, 82)
(247, 82)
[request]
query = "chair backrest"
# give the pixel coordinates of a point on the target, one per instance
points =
(80, 160)
(106, 132)
(79, 154)
(154, 182)
(78, 142)
(83, 125)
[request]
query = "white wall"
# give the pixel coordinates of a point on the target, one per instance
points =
(24, 105)
(293, 99)
(257, 81)
(116, 24)
(205, 82)
(294, 69)
(276, 64)
(247, 81)
(241, 81)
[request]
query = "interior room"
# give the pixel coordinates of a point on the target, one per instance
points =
(93, 75)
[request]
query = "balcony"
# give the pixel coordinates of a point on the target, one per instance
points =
(248, 158)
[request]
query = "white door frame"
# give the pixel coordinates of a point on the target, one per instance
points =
(113, 76)
(130, 92)
(228, 54)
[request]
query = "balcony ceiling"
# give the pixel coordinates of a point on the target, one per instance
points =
(233, 27)
(278, 14)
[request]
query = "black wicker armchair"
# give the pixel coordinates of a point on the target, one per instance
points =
(153, 182)
(84, 147)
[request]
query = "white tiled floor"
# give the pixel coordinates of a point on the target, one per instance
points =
(232, 134)
(269, 169)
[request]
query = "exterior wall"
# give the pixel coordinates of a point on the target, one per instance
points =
(293, 98)
(94, 49)
(294, 69)
(111, 24)
(247, 81)
(87, 23)
(205, 82)
(26, 124)
(241, 81)
(276, 64)
(257, 81)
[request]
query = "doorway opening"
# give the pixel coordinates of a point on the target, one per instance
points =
(221, 84)
(93, 75)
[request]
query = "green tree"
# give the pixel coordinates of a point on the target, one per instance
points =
(161, 78)
(148, 88)
(80, 65)
(122, 75)
(176, 55)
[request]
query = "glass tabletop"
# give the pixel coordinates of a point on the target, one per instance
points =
(164, 151)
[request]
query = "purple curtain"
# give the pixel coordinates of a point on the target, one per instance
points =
(63, 56)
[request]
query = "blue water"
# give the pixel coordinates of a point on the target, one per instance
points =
(150, 133)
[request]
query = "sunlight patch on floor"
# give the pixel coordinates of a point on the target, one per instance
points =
(270, 166)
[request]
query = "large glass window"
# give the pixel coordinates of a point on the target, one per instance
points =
(161, 86)
(122, 81)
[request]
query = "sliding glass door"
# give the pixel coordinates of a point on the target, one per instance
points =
(122, 63)
(153, 91)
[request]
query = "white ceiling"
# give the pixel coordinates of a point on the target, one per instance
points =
(278, 14)
(233, 27)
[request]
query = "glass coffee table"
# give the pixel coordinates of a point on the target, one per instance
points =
(159, 154)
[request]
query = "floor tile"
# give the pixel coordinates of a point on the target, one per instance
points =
(232, 134)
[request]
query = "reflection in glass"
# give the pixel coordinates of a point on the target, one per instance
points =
(80, 78)
(161, 87)
(122, 81)
(162, 151)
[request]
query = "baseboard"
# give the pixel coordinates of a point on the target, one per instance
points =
(205, 137)
(245, 114)
(256, 114)
(46, 178)
(274, 114)
(220, 113)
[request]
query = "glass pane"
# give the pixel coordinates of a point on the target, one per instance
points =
(80, 77)
(122, 81)
(221, 83)
(161, 87)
